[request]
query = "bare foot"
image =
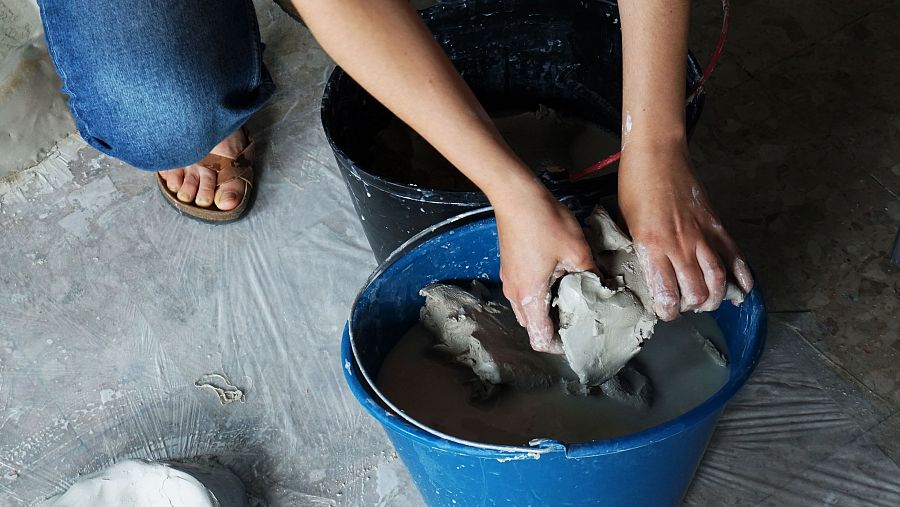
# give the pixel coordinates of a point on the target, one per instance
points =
(197, 184)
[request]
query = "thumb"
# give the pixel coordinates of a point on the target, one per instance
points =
(541, 332)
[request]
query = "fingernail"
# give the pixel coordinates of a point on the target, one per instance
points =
(743, 275)
(666, 307)
(540, 337)
(173, 187)
(229, 196)
(690, 300)
(664, 313)
(709, 305)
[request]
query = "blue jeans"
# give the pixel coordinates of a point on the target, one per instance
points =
(157, 84)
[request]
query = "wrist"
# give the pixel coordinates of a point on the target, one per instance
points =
(653, 129)
(662, 144)
(655, 139)
(517, 191)
(653, 157)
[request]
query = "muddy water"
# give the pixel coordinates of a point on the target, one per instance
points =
(547, 140)
(436, 392)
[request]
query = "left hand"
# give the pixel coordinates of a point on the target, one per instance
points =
(540, 241)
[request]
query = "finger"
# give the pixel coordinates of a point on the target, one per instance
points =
(513, 301)
(714, 276)
(536, 310)
(742, 274)
(732, 257)
(660, 277)
(558, 273)
(517, 311)
(581, 262)
(691, 284)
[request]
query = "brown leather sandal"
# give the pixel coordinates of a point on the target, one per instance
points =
(228, 169)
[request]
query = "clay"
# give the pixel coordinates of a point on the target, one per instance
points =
(629, 386)
(672, 374)
(219, 384)
(484, 336)
(138, 483)
(548, 141)
(710, 349)
(601, 328)
(603, 324)
(481, 334)
(605, 320)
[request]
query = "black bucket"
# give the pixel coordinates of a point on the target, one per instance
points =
(564, 54)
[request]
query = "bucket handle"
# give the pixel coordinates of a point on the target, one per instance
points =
(713, 60)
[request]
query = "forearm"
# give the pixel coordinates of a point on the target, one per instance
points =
(388, 50)
(654, 45)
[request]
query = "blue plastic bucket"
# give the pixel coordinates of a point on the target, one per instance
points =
(653, 467)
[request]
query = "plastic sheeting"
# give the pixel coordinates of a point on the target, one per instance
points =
(33, 113)
(112, 306)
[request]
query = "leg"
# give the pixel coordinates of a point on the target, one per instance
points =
(158, 85)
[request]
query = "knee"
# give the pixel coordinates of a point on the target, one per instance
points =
(173, 127)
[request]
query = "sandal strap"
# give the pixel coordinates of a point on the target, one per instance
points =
(228, 168)
(234, 171)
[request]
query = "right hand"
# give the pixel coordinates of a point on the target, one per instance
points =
(684, 250)
(540, 241)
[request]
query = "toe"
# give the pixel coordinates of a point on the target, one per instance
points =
(206, 188)
(189, 186)
(229, 194)
(173, 178)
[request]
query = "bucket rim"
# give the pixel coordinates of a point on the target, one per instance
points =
(473, 197)
(391, 416)
(430, 195)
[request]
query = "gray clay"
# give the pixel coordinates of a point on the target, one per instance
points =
(484, 336)
(604, 321)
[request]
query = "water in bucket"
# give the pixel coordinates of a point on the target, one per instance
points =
(429, 387)
(552, 143)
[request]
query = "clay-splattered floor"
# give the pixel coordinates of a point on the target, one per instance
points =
(111, 305)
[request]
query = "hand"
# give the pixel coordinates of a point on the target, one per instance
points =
(683, 249)
(540, 241)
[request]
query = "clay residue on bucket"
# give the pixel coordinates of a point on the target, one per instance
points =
(550, 142)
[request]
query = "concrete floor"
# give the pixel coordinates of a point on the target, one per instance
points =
(113, 304)
(800, 149)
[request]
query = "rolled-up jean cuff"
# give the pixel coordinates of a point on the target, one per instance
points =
(157, 84)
